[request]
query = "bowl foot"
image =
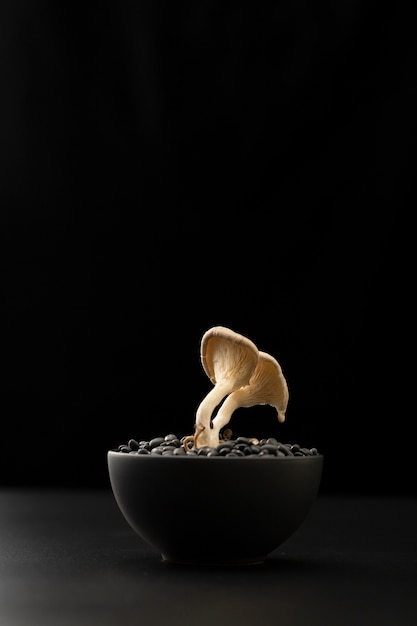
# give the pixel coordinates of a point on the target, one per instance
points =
(218, 562)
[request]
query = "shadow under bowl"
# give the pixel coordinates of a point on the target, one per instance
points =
(214, 510)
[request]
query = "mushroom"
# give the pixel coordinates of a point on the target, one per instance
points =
(229, 360)
(266, 386)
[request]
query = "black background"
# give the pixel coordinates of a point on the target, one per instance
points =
(170, 168)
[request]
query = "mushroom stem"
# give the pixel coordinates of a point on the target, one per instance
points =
(211, 401)
(205, 432)
(229, 406)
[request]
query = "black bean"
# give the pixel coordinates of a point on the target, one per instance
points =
(168, 451)
(227, 445)
(270, 448)
(244, 440)
(171, 445)
(272, 441)
(285, 449)
(157, 450)
(204, 450)
(156, 441)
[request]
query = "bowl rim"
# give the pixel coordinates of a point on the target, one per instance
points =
(215, 458)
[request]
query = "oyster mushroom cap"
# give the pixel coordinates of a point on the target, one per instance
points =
(267, 385)
(229, 360)
(227, 355)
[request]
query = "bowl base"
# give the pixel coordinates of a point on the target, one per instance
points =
(213, 562)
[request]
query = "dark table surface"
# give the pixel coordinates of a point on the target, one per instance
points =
(69, 558)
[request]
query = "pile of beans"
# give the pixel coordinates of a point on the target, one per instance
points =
(241, 446)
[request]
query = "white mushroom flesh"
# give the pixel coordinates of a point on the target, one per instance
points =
(266, 386)
(229, 359)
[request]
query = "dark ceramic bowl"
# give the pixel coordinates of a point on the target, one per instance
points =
(214, 510)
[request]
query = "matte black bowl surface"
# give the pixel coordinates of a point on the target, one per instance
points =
(214, 510)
